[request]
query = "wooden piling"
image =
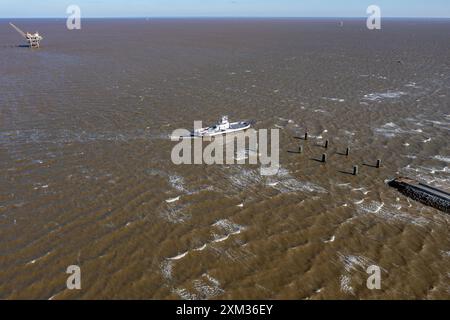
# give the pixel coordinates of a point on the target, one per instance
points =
(324, 157)
(355, 170)
(306, 135)
(326, 144)
(347, 152)
(378, 163)
(300, 149)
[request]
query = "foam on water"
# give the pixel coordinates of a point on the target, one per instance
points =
(177, 182)
(223, 238)
(412, 85)
(284, 182)
(334, 99)
(353, 262)
(242, 178)
(175, 214)
(166, 269)
(389, 130)
(381, 96)
(173, 199)
(224, 225)
(363, 190)
(294, 185)
(204, 288)
(436, 177)
(38, 259)
(343, 185)
(442, 158)
(203, 247)
(184, 294)
(391, 213)
(228, 226)
(345, 283)
(445, 125)
(180, 256)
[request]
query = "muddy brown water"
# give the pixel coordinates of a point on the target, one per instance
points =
(86, 171)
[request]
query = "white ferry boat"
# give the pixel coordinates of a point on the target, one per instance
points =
(223, 127)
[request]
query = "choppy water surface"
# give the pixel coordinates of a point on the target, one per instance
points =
(86, 176)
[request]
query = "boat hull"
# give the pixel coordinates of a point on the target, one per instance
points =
(234, 127)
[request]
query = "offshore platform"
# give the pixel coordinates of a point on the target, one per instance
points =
(33, 40)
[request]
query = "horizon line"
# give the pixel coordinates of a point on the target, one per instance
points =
(229, 17)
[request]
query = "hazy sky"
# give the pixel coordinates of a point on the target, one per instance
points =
(224, 8)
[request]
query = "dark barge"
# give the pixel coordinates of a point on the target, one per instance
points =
(423, 193)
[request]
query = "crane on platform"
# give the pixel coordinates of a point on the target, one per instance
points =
(33, 40)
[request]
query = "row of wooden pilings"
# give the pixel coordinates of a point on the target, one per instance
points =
(347, 153)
